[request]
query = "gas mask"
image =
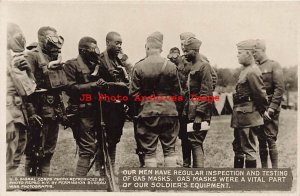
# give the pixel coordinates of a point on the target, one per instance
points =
(91, 55)
(15, 39)
(53, 45)
(173, 57)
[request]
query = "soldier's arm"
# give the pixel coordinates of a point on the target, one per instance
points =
(135, 85)
(278, 86)
(206, 89)
(73, 86)
(31, 58)
(258, 90)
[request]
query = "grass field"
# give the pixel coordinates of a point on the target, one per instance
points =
(218, 147)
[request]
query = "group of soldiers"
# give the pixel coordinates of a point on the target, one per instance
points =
(36, 78)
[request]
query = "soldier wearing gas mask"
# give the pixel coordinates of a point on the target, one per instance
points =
(19, 85)
(47, 107)
(81, 77)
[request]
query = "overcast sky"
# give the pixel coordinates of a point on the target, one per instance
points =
(218, 25)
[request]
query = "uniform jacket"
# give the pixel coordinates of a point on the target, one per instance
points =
(148, 79)
(199, 84)
(14, 102)
(273, 80)
(47, 104)
(250, 84)
(79, 79)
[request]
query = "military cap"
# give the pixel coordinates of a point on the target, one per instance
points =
(260, 44)
(248, 44)
(192, 43)
(155, 40)
(186, 35)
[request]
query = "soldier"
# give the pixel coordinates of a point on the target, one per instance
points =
(157, 120)
(273, 80)
(114, 72)
(249, 104)
(199, 84)
(81, 81)
(184, 68)
(15, 105)
(47, 106)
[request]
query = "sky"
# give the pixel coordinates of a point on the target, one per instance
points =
(219, 25)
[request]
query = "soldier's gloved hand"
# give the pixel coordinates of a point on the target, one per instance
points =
(266, 115)
(10, 136)
(35, 120)
(197, 123)
(21, 63)
(101, 83)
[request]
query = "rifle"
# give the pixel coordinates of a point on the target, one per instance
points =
(102, 152)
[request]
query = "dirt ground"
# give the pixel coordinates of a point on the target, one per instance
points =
(218, 147)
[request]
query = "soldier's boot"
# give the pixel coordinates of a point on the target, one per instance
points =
(141, 157)
(112, 155)
(170, 160)
(263, 153)
(150, 161)
(82, 167)
(274, 158)
(30, 170)
(45, 166)
(239, 162)
(250, 163)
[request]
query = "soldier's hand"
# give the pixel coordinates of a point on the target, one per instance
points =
(267, 116)
(101, 83)
(10, 136)
(35, 120)
(197, 123)
(21, 63)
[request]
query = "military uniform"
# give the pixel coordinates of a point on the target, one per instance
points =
(84, 124)
(15, 121)
(49, 106)
(156, 120)
(199, 83)
(273, 81)
(249, 105)
(114, 111)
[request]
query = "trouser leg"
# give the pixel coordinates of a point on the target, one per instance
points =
(21, 144)
(263, 147)
(196, 140)
(237, 148)
(11, 147)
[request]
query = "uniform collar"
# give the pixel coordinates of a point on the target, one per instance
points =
(263, 61)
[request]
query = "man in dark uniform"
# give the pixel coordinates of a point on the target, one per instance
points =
(81, 81)
(249, 105)
(113, 70)
(273, 80)
(199, 83)
(184, 68)
(47, 106)
(157, 120)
